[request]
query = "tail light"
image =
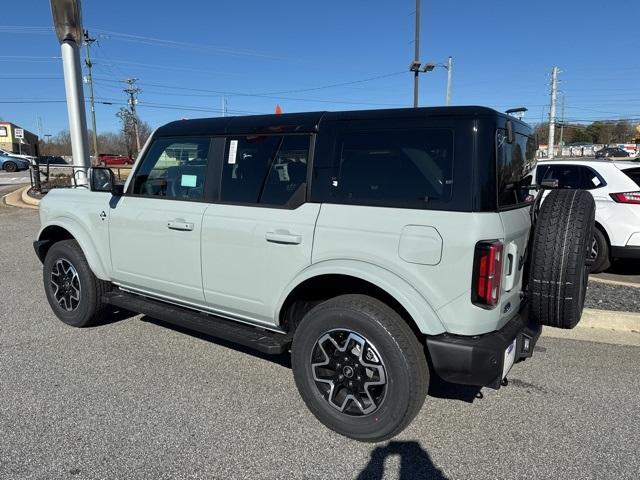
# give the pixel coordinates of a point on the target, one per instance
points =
(487, 274)
(627, 197)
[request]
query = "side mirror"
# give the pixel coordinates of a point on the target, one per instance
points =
(103, 180)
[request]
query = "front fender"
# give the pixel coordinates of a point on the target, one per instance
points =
(82, 236)
(415, 304)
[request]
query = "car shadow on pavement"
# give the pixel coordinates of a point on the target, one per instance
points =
(415, 462)
(115, 314)
(283, 360)
(438, 388)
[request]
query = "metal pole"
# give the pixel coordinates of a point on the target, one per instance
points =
(449, 67)
(552, 111)
(416, 55)
(561, 142)
(87, 42)
(75, 106)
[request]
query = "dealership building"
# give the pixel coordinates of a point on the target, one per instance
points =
(17, 140)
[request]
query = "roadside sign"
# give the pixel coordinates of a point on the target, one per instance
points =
(18, 133)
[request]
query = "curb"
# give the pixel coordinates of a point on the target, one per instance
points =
(27, 199)
(610, 320)
(14, 199)
(614, 282)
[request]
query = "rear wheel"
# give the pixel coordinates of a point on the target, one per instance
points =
(599, 254)
(73, 291)
(359, 368)
(10, 167)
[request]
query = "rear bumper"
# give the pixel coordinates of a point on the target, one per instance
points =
(479, 360)
(625, 252)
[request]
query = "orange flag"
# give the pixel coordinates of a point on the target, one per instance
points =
(278, 109)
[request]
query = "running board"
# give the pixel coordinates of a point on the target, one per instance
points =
(249, 336)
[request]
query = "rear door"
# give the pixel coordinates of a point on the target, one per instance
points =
(515, 170)
(259, 236)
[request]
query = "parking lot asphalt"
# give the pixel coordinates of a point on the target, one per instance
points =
(137, 399)
(11, 180)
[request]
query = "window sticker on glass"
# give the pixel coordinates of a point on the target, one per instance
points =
(596, 181)
(188, 180)
(233, 151)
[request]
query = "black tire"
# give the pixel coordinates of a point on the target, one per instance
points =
(600, 255)
(560, 258)
(10, 167)
(391, 348)
(83, 306)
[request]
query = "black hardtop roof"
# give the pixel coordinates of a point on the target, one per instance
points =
(307, 121)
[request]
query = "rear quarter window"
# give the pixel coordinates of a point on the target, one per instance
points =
(633, 174)
(396, 168)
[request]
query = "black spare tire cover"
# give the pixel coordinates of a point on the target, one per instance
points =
(559, 267)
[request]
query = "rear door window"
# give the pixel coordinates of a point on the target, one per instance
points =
(401, 168)
(571, 176)
(516, 162)
(264, 169)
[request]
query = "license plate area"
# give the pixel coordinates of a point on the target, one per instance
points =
(509, 358)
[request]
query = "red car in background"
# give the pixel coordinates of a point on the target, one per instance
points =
(107, 159)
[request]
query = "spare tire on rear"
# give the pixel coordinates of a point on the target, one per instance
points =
(559, 267)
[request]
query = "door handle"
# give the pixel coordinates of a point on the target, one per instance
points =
(283, 237)
(180, 225)
(511, 255)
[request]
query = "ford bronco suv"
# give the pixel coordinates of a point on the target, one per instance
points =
(379, 247)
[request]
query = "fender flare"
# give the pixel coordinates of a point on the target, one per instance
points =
(81, 235)
(423, 315)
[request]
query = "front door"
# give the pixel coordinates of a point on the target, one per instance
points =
(155, 228)
(259, 236)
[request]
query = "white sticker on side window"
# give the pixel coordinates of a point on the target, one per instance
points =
(596, 181)
(188, 180)
(233, 151)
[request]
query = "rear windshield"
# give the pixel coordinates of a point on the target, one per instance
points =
(516, 164)
(633, 174)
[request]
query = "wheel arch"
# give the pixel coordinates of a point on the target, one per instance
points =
(68, 229)
(329, 279)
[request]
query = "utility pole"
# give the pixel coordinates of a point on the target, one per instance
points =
(87, 43)
(224, 106)
(552, 111)
(132, 91)
(561, 142)
(449, 67)
(416, 55)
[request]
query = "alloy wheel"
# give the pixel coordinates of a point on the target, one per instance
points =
(66, 284)
(349, 372)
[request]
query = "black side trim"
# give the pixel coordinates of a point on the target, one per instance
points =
(625, 252)
(253, 337)
(478, 360)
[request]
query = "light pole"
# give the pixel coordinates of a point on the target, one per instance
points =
(449, 68)
(67, 20)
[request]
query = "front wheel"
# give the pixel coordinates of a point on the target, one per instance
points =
(359, 367)
(73, 291)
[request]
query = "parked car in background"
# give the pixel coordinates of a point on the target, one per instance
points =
(51, 160)
(612, 152)
(107, 159)
(17, 155)
(13, 164)
(615, 187)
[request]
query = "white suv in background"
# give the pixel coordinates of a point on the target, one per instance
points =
(615, 186)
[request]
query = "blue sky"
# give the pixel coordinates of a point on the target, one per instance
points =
(186, 53)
